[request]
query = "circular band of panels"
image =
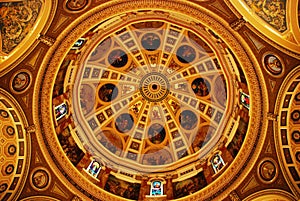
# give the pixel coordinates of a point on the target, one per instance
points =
(144, 90)
(105, 118)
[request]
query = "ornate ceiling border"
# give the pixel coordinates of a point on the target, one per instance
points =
(283, 106)
(22, 168)
(31, 40)
(42, 95)
(269, 195)
(287, 42)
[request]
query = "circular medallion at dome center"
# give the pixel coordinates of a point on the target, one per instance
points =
(154, 87)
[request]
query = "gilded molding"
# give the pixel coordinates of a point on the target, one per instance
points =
(43, 22)
(238, 24)
(276, 40)
(234, 196)
(279, 107)
(30, 129)
(22, 121)
(272, 116)
(52, 63)
(47, 40)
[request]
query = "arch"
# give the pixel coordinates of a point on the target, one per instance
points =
(270, 195)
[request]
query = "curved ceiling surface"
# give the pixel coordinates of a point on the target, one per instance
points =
(15, 147)
(19, 21)
(276, 19)
(152, 93)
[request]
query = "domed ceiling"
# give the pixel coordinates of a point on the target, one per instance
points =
(287, 128)
(151, 95)
(15, 148)
(149, 100)
(151, 92)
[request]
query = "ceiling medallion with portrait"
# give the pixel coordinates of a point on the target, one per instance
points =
(150, 94)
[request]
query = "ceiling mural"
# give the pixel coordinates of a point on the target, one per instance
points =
(272, 12)
(149, 100)
(151, 84)
(275, 21)
(17, 20)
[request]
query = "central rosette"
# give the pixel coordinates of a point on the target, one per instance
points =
(154, 87)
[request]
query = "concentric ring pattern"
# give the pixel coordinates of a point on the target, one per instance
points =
(151, 83)
(155, 97)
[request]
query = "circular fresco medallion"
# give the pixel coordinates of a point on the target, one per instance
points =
(188, 120)
(201, 87)
(267, 170)
(150, 41)
(118, 58)
(108, 92)
(40, 179)
(273, 64)
(156, 133)
(21, 81)
(124, 123)
(76, 5)
(186, 54)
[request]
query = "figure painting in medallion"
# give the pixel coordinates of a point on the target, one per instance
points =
(150, 41)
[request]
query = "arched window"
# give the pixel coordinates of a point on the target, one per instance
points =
(94, 168)
(61, 111)
(156, 188)
(217, 163)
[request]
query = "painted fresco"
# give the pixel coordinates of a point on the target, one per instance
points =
(189, 186)
(271, 11)
(238, 139)
(17, 20)
(67, 142)
(122, 188)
